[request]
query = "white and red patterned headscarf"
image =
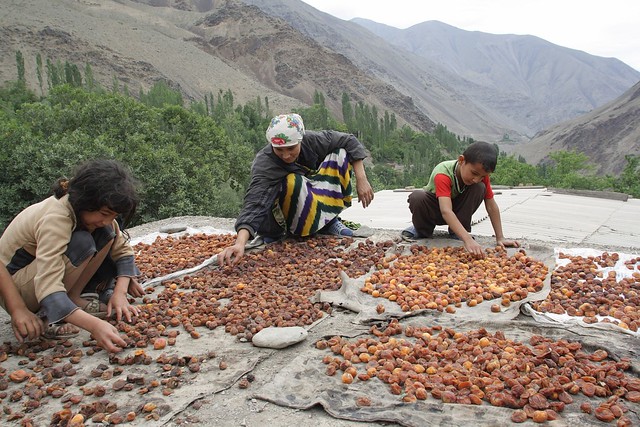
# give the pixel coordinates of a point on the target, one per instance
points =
(285, 130)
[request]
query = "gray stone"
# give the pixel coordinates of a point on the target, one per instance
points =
(173, 228)
(274, 337)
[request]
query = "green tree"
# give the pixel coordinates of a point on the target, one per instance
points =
(89, 79)
(629, 180)
(20, 65)
(347, 110)
(513, 172)
(567, 169)
(161, 94)
(39, 73)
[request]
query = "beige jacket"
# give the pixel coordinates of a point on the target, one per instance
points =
(43, 230)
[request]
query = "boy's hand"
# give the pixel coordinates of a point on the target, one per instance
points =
(26, 324)
(474, 248)
(508, 243)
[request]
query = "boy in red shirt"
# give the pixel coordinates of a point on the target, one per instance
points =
(454, 192)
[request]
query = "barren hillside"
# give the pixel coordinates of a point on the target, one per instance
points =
(229, 46)
(606, 135)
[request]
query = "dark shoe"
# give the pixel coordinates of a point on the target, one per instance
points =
(335, 227)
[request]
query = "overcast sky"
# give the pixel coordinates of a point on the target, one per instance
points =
(609, 28)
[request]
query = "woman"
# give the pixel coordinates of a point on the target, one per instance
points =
(300, 182)
(54, 248)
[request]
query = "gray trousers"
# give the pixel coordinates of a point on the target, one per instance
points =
(425, 209)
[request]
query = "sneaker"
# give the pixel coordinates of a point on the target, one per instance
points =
(335, 227)
(409, 232)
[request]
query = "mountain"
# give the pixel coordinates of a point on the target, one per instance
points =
(198, 47)
(605, 135)
(533, 82)
(285, 50)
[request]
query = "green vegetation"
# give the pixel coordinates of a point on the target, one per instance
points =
(195, 159)
(567, 169)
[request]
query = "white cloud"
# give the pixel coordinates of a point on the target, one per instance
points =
(610, 28)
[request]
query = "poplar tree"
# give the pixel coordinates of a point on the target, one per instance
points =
(39, 72)
(20, 65)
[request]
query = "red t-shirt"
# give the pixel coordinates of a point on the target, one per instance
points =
(443, 186)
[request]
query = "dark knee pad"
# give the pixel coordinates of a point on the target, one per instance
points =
(80, 247)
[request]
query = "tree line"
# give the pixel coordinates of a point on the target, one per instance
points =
(194, 158)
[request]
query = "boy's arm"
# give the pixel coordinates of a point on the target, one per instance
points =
(496, 222)
(446, 209)
(25, 324)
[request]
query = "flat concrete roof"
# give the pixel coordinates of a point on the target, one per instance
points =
(527, 213)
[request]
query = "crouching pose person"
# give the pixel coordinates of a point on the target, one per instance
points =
(300, 182)
(455, 191)
(53, 249)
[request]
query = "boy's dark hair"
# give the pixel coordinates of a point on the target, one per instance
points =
(100, 183)
(483, 153)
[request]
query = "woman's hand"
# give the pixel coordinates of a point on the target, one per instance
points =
(231, 255)
(365, 192)
(363, 188)
(26, 324)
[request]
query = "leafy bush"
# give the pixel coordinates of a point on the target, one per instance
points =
(181, 158)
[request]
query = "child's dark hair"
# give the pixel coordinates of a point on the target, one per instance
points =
(483, 153)
(101, 183)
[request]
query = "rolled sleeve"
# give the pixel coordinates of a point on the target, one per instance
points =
(56, 307)
(126, 266)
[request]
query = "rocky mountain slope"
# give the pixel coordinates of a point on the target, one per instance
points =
(605, 135)
(285, 50)
(199, 47)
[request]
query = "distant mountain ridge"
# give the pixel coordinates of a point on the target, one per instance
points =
(528, 79)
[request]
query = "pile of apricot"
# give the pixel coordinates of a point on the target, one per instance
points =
(581, 288)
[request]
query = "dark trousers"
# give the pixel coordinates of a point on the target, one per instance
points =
(425, 210)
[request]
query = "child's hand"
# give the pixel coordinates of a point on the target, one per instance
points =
(508, 243)
(107, 337)
(119, 304)
(26, 324)
(135, 289)
(474, 248)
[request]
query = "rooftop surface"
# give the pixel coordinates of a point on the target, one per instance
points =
(527, 213)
